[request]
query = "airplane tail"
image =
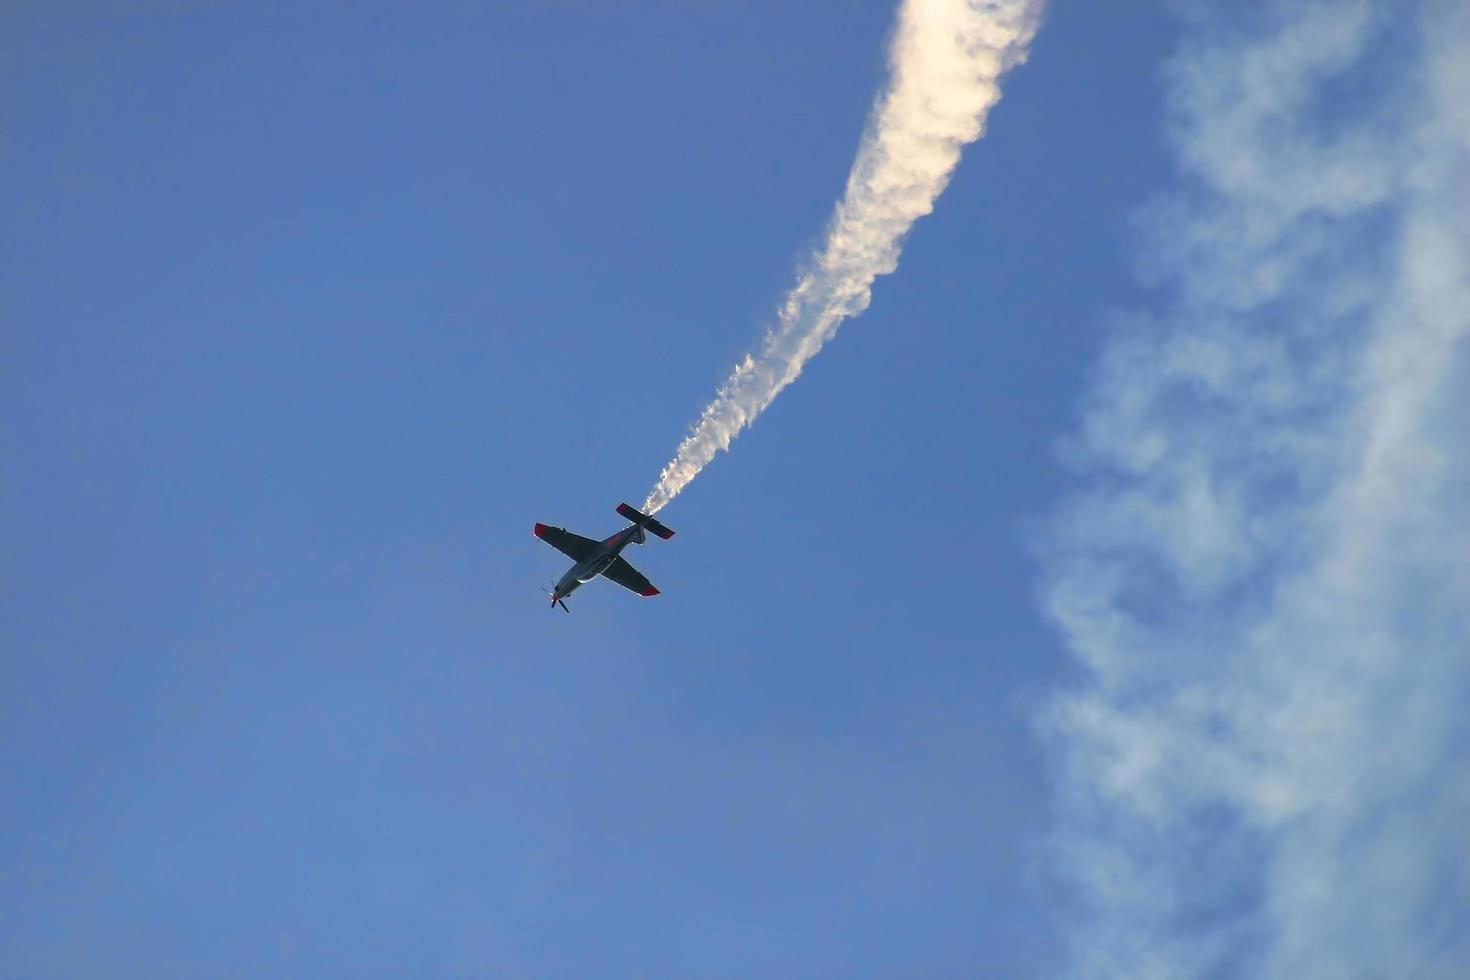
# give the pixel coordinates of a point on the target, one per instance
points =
(643, 520)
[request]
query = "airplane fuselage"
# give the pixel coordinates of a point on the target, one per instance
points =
(596, 563)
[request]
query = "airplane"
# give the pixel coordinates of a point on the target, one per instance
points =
(594, 558)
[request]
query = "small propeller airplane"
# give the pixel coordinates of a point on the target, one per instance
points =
(594, 558)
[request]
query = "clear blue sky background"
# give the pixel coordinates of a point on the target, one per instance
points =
(308, 312)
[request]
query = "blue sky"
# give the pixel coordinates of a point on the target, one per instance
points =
(1093, 604)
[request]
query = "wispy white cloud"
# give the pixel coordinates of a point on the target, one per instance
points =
(1265, 769)
(946, 61)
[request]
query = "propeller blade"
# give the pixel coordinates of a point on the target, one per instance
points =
(556, 599)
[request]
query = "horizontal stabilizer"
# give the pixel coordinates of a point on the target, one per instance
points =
(644, 520)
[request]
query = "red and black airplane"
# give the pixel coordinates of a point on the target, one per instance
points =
(594, 558)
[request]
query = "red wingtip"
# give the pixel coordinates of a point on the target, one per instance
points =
(649, 591)
(540, 529)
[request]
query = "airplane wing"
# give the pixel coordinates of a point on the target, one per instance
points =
(574, 546)
(629, 577)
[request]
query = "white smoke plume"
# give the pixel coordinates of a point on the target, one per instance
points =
(1264, 770)
(946, 60)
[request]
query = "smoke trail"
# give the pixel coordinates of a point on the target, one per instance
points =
(1261, 759)
(946, 59)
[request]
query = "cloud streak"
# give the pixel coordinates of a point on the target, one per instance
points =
(946, 61)
(1265, 767)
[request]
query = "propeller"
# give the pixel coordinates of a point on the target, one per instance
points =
(556, 600)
